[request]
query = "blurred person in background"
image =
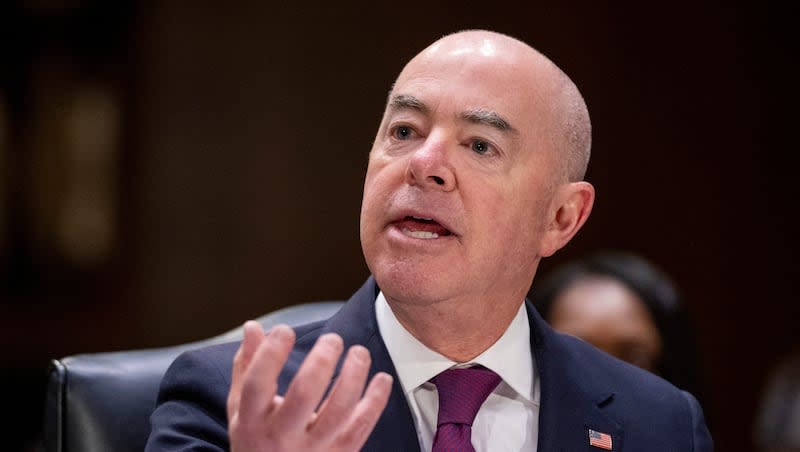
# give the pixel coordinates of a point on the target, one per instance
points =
(625, 305)
(777, 425)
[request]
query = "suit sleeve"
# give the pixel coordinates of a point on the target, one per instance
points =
(190, 413)
(701, 437)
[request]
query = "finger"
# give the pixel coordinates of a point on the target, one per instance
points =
(260, 380)
(310, 382)
(253, 335)
(366, 413)
(345, 394)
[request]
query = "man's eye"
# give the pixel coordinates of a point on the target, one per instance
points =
(480, 147)
(402, 132)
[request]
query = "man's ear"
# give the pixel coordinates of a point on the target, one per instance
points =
(572, 204)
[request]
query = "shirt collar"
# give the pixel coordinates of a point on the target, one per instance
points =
(510, 357)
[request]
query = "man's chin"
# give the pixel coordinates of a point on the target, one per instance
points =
(412, 286)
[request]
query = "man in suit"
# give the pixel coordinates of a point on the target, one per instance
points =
(475, 175)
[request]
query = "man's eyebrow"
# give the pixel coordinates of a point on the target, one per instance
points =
(477, 116)
(406, 101)
(489, 118)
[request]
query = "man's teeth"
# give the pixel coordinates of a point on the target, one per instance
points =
(420, 234)
(422, 218)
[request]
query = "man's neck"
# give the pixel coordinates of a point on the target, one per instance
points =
(459, 329)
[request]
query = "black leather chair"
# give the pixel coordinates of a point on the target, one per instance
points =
(102, 401)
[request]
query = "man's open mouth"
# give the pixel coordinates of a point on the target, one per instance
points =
(422, 228)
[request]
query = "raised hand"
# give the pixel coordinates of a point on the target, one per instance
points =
(259, 419)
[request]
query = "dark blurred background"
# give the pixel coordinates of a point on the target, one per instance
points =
(170, 169)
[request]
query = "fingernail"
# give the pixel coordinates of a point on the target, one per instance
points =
(331, 340)
(359, 353)
(387, 378)
(282, 333)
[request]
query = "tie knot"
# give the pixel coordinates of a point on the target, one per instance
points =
(462, 392)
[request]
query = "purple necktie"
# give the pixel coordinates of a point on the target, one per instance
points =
(461, 394)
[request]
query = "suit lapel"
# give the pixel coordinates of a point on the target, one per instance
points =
(570, 406)
(395, 429)
(356, 324)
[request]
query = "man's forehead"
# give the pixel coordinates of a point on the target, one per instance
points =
(473, 71)
(497, 82)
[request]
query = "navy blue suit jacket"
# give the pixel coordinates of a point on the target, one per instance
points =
(581, 389)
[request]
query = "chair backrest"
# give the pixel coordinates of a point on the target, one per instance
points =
(103, 401)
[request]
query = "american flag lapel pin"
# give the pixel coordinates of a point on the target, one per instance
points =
(600, 439)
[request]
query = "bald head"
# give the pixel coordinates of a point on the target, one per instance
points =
(562, 119)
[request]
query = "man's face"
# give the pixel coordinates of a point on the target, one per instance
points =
(460, 179)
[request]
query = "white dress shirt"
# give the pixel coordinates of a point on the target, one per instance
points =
(507, 421)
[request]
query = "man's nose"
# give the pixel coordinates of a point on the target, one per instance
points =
(431, 166)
